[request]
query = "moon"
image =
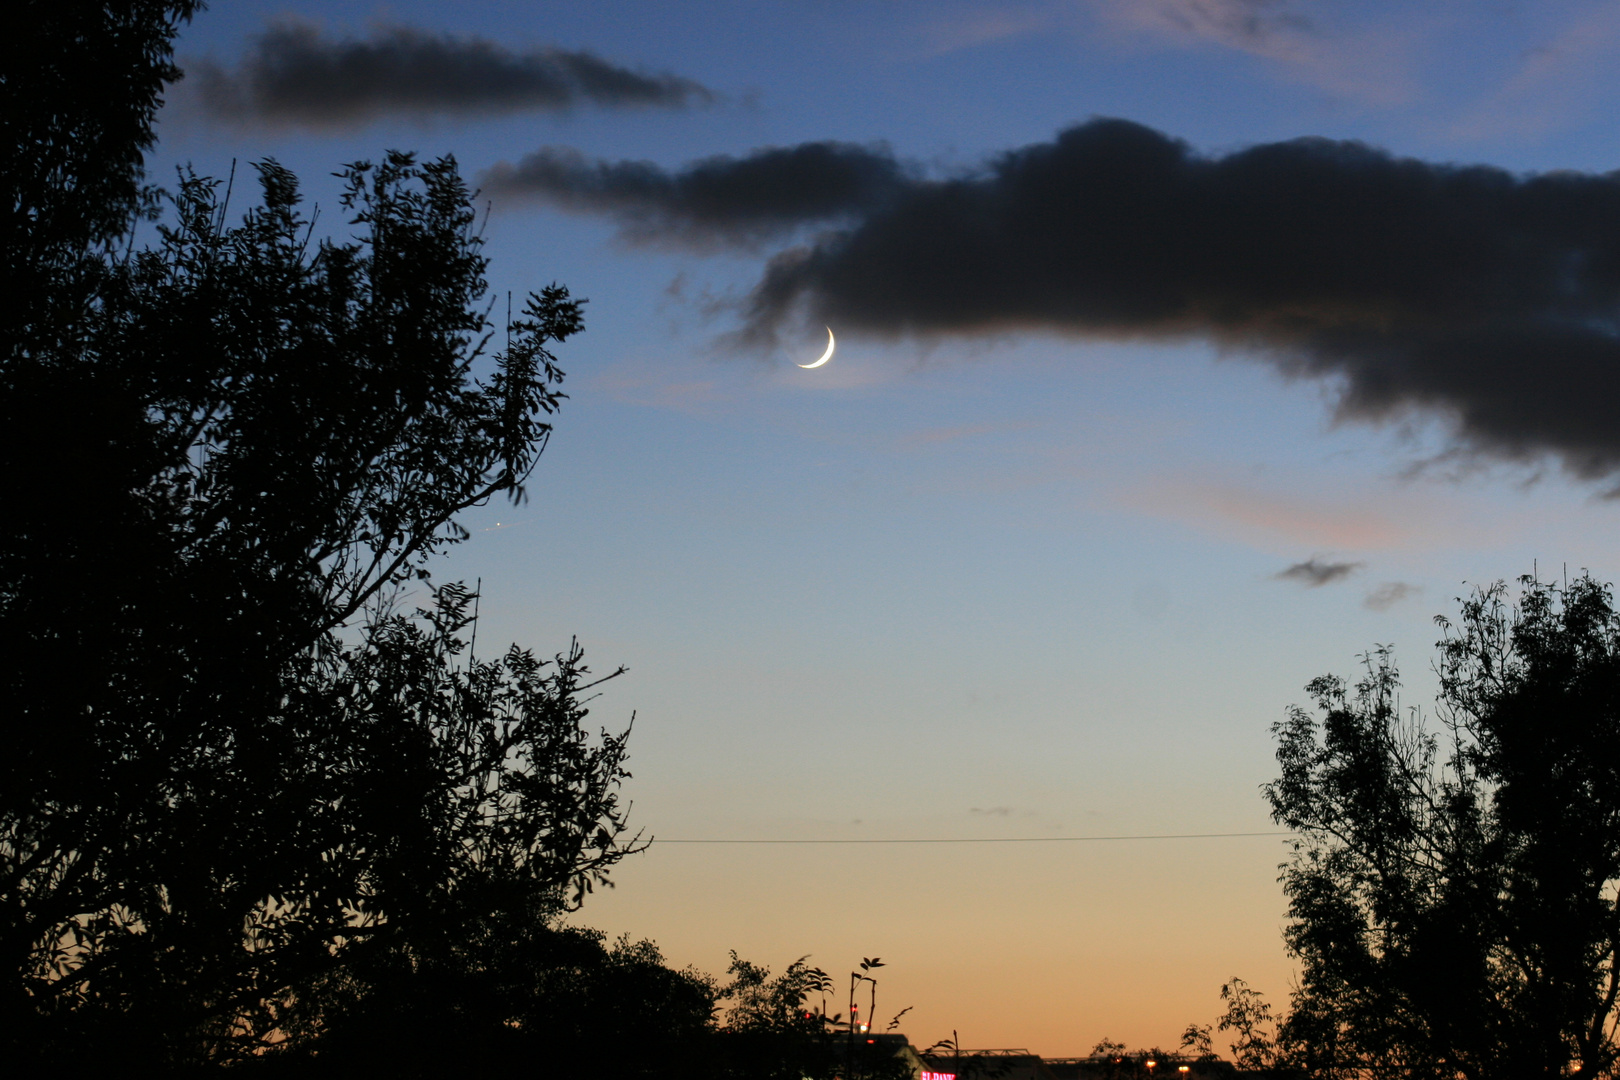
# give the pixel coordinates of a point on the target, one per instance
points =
(826, 356)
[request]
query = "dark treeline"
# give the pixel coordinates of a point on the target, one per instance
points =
(260, 809)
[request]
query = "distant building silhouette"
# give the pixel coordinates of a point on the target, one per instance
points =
(1020, 1064)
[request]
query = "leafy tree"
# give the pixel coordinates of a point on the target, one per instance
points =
(253, 813)
(293, 429)
(770, 1032)
(83, 82)
(1248, 1017)
(233, 770)
(1254, 1047)
(1453, 892)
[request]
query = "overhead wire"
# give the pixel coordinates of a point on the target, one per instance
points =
(977, 839)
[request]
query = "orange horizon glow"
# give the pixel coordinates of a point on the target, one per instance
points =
(1049, 948)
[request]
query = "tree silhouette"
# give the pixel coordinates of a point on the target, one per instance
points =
(83, 83)
(235, 770)
(1453, 893)
(259, 809)
(508, 993)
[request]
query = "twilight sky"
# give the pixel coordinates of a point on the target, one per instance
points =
(1187, 348)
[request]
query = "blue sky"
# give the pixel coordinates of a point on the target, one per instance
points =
(1014, 584)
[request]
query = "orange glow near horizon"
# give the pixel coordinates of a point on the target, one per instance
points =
(1050, 947)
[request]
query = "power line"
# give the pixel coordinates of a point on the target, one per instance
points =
(990, 839)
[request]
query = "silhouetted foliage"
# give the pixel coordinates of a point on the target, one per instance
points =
(253, 812)
(236, 777)
(83, 81)
(288, 430)
(1250, 1028)
(767, 1029)
(1453, 895)
(507, 992)
(1112, 1060)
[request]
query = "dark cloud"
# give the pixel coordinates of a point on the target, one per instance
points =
(1487, 298)
(1389, 594)
(294, 75)
(1313, 573)
(720, 199)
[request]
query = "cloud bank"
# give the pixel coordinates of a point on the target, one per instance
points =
(293, 75)
(719, 200)
(1489, 299)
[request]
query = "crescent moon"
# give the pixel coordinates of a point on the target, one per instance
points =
(826, 356)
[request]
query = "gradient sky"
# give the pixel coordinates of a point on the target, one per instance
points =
(1014, 583)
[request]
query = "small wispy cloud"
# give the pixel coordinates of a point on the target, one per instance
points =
(1389, 594)
(1554, 84)
(1367, 67)
(955, 32)
(931, 436)
(992, 811)
(1230, 507)
(1314, 572)
(690, 396)
(1271, 28)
